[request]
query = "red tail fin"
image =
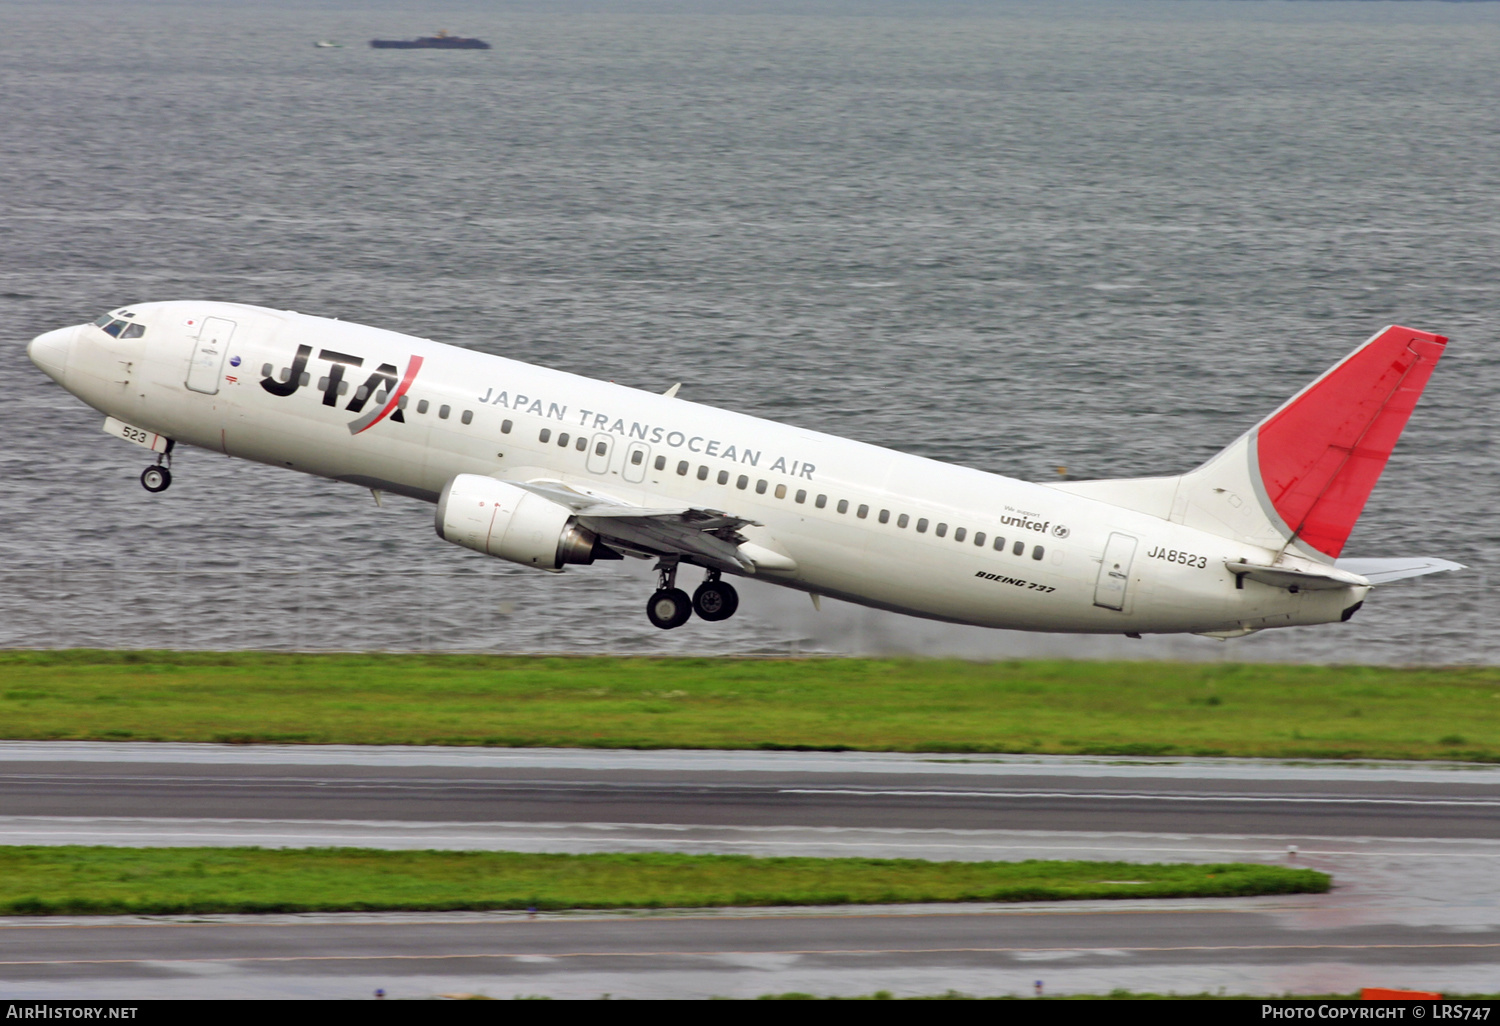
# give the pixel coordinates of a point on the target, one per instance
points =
(1321, 454)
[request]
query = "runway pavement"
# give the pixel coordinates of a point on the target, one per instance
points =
(1414, 849)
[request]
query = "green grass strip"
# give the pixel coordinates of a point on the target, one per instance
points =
(43, 880)
(941, 706)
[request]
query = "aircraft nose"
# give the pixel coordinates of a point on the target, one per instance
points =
(49, 351)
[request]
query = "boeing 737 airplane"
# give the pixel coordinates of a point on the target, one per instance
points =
(548, 469)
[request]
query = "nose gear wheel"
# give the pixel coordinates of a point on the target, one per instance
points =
(156, 479)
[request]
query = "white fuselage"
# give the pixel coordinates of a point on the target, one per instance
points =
(860, 541)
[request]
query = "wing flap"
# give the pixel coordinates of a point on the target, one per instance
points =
(668, 536)
(708, 535)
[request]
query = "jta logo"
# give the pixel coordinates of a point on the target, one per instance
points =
(380, 385)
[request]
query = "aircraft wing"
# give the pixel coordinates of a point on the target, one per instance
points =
(707, 535)
(1384, 571)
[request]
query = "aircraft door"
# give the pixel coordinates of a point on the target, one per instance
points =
(599, 452)
(636, 458)
(208, 355)
(1114, 572)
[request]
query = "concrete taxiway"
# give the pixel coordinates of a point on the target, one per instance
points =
(1414, 849)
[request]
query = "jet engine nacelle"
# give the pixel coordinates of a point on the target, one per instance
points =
(499, 519)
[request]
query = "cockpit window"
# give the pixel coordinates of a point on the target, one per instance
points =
(120, 329)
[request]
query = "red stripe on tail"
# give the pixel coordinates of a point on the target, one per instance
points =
(1321, 454)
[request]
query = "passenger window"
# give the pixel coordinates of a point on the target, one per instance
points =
(742, 483)
(781, 491)
(582, 444)
(505, 425)
(322, 382)
(265, 370)
(545, 436)
(941, 530)
(999, 544)
(661, 463)
(959, 533)
(562, 439)
(468, 417)
(822, 501)
(134, 331)
(801, 495)
(863, 511)
(979, 539)
(843, 505)
(422, 407)
(702, 473)
(380, 396)
(723, 477)
(922, 526)
(636, 457)
(885, 516)
(344, 390)
(401, 404)
(1019, 549)
(305, 378)
(444, 410)
(601, 449)
(1037, 553)
(760, 487)
(361, 393)
(682, 467)
(903, 520)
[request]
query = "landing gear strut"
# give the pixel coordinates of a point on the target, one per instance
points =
(715, 599)
(669, 607)
(159, 477)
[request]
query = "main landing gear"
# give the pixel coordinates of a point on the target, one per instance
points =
(670, 606)
(715, 599)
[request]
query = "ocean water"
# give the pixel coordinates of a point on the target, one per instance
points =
(1106, 236)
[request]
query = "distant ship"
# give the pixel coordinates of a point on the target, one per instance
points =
(441, 41)
(328, 44)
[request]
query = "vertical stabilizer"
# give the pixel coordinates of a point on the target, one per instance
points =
(1320, 455)
(1300, 478)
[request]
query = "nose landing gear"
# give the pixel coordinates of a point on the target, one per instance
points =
(670, 607)
(157, 478)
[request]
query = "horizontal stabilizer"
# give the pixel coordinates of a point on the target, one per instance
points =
(1384, 571)
(1322, 578)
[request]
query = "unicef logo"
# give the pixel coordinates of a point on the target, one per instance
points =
(1060, 531)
